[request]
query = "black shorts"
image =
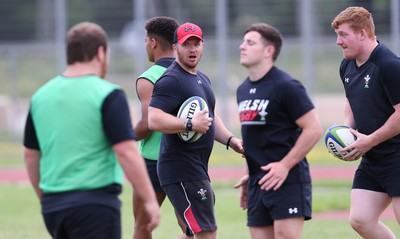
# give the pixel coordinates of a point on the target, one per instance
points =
(194, 202)
(383, 176)
(151, 166)
(91, 221)
(290, 200)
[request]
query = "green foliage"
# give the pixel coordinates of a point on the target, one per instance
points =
(17, 13)
(112, 15)
(29, 17)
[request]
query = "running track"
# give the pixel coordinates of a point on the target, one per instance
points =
(217, 173)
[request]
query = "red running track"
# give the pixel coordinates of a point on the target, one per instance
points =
(217, 173)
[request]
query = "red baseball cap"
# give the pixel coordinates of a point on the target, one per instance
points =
(188, 30)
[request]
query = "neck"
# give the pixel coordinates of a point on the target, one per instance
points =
(186, 68)
(81, 69)
(166, 54)
(256, 72)
(367, 51)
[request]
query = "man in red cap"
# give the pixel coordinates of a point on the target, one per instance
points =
(160, 35)
(183, 165)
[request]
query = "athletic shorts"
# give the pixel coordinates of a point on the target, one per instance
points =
(380, 177)
(151, 166)
(289, 201)
(194, 202)
(91, 221)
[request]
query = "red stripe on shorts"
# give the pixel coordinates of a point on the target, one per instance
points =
(191, 220)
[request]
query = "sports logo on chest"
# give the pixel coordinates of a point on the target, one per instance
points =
(358, 81)
(253, 111)
(366, 81)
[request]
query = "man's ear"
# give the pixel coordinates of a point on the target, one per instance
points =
(363, 34)
(269, 51)
(101, 53)
(153, 42)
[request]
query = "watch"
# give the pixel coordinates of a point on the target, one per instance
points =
(189, 125)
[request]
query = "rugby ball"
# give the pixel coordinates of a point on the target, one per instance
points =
(190, 107)
(336, 138)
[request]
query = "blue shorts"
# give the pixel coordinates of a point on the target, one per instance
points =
(382, 175)
(290, 200)
(151, 166)
(194, 202)
(92, 221)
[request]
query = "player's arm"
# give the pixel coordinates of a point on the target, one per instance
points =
(364, 142)
(225, 137)
(311, 133)
(348, 115)
(32, 154)
(144, 90)
(243, 186)
(390, 129)
(118, 129)
(32, 158)
(164, 122)
(309, 136)
(170, 124)
(135, 170)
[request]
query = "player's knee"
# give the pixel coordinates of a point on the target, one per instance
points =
(289, 234)
(140, 228)
(140, 232)
(207, 235)
(358, 223)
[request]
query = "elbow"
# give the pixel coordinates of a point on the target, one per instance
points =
(151, 126)
(31, 156)
(318, 132)
(151, 123)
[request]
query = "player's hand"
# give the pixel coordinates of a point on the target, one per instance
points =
(359, 147)
(152, 209)
(237, 145)
(201, 121)
(242, 184)
(275, 177)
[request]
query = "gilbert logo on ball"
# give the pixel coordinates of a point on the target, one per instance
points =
(338, 137)
(187, 110)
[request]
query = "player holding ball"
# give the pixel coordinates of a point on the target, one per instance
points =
(370, 73)
(183, 165)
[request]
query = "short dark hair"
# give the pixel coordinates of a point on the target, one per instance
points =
(270, 34)
(83, 40)
(163, 29)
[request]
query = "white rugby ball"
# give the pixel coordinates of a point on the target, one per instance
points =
(190, 107)
(338, 137)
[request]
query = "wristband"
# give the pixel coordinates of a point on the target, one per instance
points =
(188, 125)
(228, 142)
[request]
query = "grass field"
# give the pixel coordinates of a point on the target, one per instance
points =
(20, 215)
(21, 218)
